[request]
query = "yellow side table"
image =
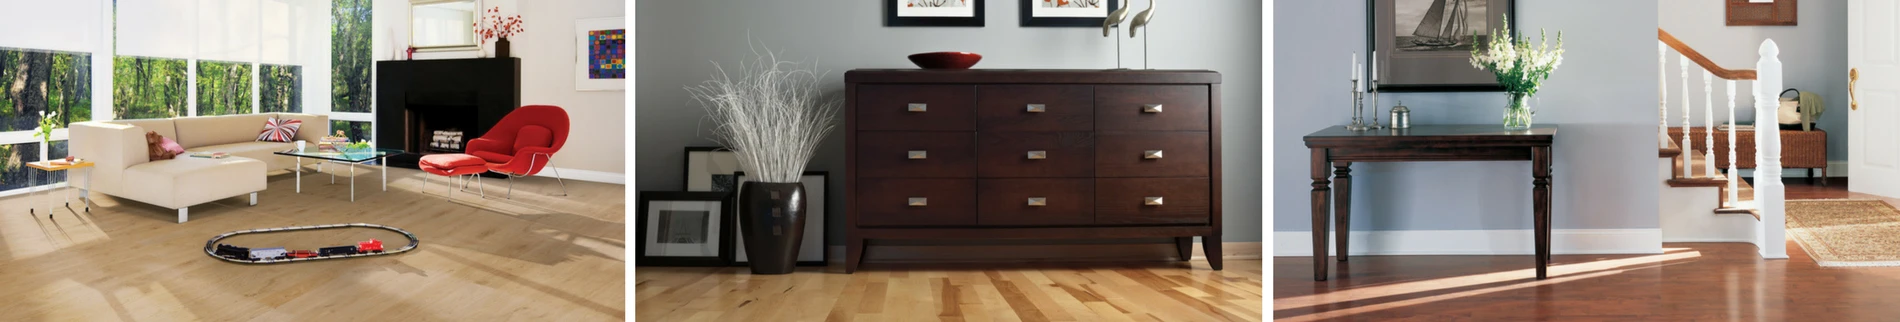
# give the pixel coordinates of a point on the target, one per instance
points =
(48, 168)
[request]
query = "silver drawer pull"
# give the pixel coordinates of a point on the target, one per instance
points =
(918, 202)
(1038, 201)
(1151, 154)
(1038, 155)
(918, 107)
(1035, 108)
(919, 154)
(1151, 108)
(1151, 201)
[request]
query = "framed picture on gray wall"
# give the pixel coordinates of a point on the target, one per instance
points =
(1066, 13)
(1425, 45)
(933, 13)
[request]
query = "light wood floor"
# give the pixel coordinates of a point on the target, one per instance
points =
(533, 258)
(1688, 282)
(1128, 291)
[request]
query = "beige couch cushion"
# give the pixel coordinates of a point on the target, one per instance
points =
(215, 130)
(187, 181)
(256, 150)
(164, 127)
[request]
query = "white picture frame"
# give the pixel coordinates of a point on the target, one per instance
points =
(582, 79)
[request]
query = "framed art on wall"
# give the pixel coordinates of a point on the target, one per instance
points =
(1066, 13)
(1425, 45)
(710, 168)
(1761, 12)
(812, 250)
(933, 13)
(681, 228)
(600, 54)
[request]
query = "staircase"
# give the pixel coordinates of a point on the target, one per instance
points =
(1700, 203)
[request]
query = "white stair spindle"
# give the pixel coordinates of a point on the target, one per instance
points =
(1734, 180)
(1662, 94)
(1687, 150)
(1708, 123)
(1768, 189)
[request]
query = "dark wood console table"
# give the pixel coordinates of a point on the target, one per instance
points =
(1337, 148)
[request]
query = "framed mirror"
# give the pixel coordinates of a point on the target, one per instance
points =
(443, 25)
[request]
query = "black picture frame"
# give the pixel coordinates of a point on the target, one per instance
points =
(1030, 20)
(725, 224)
(892, 19)
(711, 160)
(1434, 71)
(825, 214)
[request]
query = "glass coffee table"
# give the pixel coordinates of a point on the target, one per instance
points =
(350, 157)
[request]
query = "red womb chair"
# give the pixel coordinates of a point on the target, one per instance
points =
(523, 142)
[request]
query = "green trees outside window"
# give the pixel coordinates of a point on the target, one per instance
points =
(350, 59)
(147, 87)
(280, 88)
(224, 88)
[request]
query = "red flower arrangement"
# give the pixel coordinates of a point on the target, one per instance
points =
(498, 26)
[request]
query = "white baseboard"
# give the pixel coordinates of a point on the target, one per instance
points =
(1835, 169)
(1478, 242)
(585, 175)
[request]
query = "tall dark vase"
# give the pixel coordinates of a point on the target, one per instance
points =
(772, 219)
(501, 48)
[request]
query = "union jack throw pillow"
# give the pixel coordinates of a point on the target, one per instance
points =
(279, 130)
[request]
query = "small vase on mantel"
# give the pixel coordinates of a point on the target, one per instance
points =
(501, 48)
(1517, 111)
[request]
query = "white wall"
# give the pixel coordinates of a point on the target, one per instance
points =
(598, 137)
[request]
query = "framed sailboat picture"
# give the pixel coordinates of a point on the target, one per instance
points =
(1425, 45)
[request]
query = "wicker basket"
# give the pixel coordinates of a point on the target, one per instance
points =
(1799, 149)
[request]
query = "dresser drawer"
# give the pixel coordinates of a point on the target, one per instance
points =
(1035, 154)
(1151, 154)
(1125, 107)
(916, 202)
(1035, 202)
(917, 154)
(1035, 107)
(890, 108)
(1128, 201)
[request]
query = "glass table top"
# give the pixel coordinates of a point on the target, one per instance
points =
(345, 155)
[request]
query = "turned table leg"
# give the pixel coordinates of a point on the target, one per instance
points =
(1342, 206)
(1540, 197)
(1321, 186)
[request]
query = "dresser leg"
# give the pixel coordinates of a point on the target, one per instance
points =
(1186, 247)
(853, 254)
(1211, 245)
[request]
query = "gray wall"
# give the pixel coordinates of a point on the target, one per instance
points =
(1603, 97)
(680, 40)
(1813, 57)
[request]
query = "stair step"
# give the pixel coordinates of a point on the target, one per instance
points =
(1698, 182)
(1750, 212)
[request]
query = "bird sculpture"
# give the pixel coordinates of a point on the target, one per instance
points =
(1141, 19)
(1113, 19)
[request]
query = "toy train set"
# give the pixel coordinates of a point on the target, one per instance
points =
(272, 255)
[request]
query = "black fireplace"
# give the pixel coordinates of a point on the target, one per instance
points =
(415, 98)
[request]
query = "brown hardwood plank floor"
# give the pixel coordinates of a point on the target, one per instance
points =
(1126, 291)
(533, 258)
(1688, 282)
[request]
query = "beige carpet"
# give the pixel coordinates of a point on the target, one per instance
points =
(1845, 233)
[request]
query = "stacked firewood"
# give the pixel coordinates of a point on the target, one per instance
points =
(451, 140)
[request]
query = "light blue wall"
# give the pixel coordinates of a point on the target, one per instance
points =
(1603, 97)
(680, 39)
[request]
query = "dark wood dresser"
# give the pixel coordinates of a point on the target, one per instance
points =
(1032, 154)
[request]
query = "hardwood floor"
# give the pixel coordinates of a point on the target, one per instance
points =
(533, 258)
(1689, 281)
(1131, 291)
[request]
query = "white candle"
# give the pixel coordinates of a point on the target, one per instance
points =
(1355, 67)
(1375, 65)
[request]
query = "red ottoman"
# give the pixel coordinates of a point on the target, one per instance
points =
(453, 165)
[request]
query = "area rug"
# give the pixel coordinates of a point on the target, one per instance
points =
(1846, 233)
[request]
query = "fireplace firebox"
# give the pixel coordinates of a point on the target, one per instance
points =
(417, 98)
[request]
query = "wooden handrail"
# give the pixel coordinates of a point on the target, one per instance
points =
(1724, 73)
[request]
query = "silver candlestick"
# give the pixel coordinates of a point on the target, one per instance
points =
(1358, 110)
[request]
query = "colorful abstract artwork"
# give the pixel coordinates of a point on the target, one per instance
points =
(607, 54)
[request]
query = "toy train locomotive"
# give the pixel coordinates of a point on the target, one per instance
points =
(279, 253)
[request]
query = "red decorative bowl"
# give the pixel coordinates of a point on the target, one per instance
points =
(945, 60)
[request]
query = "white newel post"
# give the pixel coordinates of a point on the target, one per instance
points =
(1768, 188)
(1735, 179)
(1686, 148)
(1708, 123)
(1662, 94)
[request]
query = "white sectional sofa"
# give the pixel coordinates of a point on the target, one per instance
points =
(124, 169)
